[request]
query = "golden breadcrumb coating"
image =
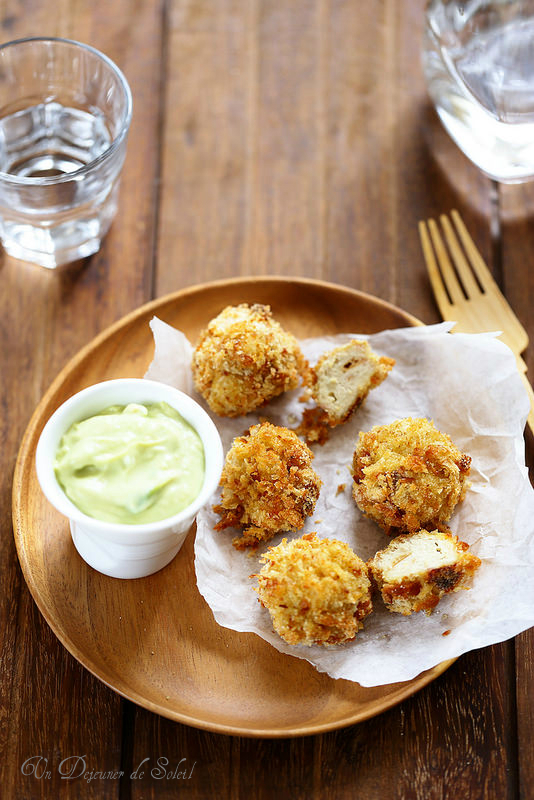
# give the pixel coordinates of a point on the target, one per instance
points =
(344, 376)
(268, 484)
(244, 358)
(314, 426)
(408, 475)
(317, 591)
(416, 569)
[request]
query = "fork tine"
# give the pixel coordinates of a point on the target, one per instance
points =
(434, 274)
(487, 306)
(470, 285)
(479, 266)
(447, 270)
(488, 282)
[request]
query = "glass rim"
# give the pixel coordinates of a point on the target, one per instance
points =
(52, 180)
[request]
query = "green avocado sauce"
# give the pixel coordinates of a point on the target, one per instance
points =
(131, 464)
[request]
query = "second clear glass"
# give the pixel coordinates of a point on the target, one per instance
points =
(478, 60)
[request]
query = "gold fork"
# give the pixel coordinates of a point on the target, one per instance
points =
(468, 295)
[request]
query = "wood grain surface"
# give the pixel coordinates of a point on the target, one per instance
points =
(268, 138)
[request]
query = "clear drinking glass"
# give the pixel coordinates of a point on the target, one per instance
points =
(478, 59)
(65, 111)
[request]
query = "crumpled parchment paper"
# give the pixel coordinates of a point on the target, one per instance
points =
(469, 386)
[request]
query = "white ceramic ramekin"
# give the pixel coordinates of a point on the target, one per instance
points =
(116, 549)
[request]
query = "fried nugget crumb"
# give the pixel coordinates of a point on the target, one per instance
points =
(267, 485)
(344, 376)
(408, 475)
(244, 358)
(314, 426)
(341, 488)
(417, 569)
(317, 591)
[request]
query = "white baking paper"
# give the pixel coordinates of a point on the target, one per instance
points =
(469, 386)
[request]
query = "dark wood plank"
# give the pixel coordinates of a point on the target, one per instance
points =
(51, 707)
(389, 163)
(203, 207)
(524, 662)
(516, 205)
(175, 759)
(516, 249)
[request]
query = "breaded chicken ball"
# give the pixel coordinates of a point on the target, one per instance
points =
(244, 358)
(415, 570)
(408, 475)
(317, 591)
(268, 484)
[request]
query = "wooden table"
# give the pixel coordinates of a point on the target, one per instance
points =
(268, 138)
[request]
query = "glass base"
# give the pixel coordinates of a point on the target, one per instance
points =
(54, 246)
(51, 260)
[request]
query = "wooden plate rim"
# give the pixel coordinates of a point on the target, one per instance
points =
(405, 690)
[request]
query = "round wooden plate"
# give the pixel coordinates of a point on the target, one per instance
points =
(154, 640)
